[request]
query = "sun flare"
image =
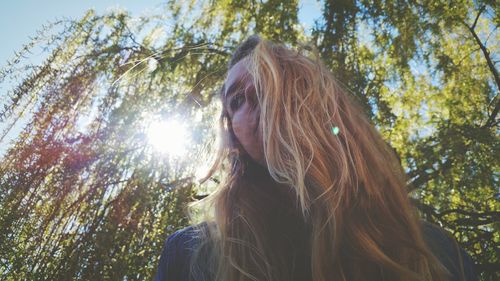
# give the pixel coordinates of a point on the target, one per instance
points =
(168, 136)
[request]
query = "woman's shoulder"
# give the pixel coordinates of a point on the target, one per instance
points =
(186, 236)
(444, 246)
(177, 251)
(185, 240)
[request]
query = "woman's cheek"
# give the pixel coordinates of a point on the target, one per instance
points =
(245, 124)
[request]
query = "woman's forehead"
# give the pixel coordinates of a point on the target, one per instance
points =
(237, 77)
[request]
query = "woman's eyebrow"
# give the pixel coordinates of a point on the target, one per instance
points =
(233, 88)
(240, 82)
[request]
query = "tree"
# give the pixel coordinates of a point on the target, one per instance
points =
(84, 196)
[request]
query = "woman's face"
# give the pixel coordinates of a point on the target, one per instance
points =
(241, 103)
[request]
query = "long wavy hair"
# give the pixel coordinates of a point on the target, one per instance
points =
(327, 206)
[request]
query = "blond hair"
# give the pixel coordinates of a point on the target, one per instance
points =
(345, 193)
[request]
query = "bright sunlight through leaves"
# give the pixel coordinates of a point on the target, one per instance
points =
(168, 136)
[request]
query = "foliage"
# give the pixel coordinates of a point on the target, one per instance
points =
(84, 196)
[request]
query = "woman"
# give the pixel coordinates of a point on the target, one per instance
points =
(312, 191)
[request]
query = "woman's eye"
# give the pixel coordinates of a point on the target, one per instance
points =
(237, 101)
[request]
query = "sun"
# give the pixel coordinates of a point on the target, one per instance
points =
(168, 137)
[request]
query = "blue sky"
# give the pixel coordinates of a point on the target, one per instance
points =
(20, 19)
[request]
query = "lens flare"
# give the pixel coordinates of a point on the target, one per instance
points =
(168, 136)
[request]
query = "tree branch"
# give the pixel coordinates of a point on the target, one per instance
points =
(481, 10)
(491, 65)
(423, 178)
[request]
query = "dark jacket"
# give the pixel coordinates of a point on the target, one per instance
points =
(178, 248)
